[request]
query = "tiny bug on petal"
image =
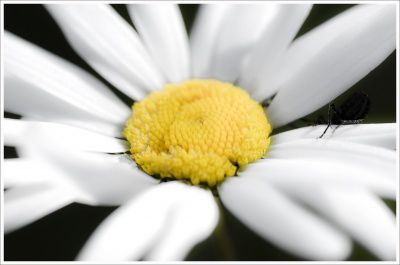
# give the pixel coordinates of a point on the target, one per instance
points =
(352, 111)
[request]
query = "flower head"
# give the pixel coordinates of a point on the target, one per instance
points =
(191, 122)
(201, 130)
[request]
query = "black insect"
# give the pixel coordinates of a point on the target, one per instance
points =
(352, 111)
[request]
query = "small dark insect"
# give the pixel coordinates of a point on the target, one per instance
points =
(352, 111)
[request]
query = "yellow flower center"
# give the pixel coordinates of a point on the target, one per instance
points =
(200, 130)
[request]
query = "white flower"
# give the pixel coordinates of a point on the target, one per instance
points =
(67, 152)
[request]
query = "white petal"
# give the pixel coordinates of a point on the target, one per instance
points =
(22, 172)
(113, 130)
(242, 28)
(163, 32)
(325, 62)
(171, 213)
(24, 205)
(99, 179)
(193, 222)
(262, 65)
(282, 222)
(41, 85)
(204, 37)
(379, 161)
(109, 45)
(360, 213)
(22, 133)
(103, 179)
(305, 172)
(380, 134)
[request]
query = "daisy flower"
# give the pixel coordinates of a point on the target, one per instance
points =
(197, 132)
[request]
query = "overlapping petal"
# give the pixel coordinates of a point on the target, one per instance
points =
(376, 134)
(109, 45)
(223, 35)
(75, 158)
(281, 221)
(26, 204)
(163, 32)
(259, 71)
(103, 179)
(43, 86)
(22, 172)
(23, 133)
(377, 160)
(308, 172)
(168, 220)
(328, 60)
(99, 179)
(242, 28)
(361, 214)
(204, 37)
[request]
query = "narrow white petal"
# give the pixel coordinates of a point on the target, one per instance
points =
(309, 172)
(360, 213)
(99, 179)
(281, 221)
(204, 37)
(192, 222)
(376, 160)
(113, 130)
(22, 133)
(54, 89)
(163, 32)
(19, 172)
(24, 205)
(262, 65)
(241, 29)
(325, 62)
(379, 134)
(109, 45)
(102, 179)
(152, 221)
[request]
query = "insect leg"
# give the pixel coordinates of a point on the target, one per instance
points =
(330, 111)
(337, 126)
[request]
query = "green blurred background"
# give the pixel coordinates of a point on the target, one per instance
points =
(60, 235)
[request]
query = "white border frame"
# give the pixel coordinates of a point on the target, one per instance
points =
(195, 2)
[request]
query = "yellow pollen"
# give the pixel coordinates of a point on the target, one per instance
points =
(199, 130)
